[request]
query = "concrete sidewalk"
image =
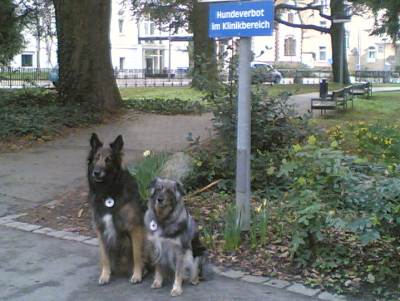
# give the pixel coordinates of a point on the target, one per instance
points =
(35, 267)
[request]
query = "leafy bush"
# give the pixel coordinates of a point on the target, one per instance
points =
(274, 128)
(166, 105)
(332, 199)
(37, 113)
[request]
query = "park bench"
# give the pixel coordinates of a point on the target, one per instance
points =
(361, 89)
(336, 100)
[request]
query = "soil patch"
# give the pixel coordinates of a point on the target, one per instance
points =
(68, 212)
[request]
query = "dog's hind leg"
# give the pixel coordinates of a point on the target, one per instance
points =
(137, 237)
(195, 271)
(158, 278)
(105, 262)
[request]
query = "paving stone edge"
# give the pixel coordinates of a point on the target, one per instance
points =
(9, 221)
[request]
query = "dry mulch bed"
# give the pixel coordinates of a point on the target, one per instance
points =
(68, 212)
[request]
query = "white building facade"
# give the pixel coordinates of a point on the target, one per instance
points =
(136, 44)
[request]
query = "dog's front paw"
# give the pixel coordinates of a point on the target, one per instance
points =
(156, 284)
(104, 278)
(176, 291)
(136, 278)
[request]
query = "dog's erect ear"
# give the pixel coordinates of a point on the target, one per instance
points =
(152, 186)
(118, 144)
(95, 142)
(179, 191)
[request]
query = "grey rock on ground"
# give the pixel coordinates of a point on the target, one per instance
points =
(177, 167)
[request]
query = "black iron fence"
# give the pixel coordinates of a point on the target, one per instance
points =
(377, 76)
(24, 77)
(151, 77)
(44, 77)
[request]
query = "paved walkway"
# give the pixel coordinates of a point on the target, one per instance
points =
(37, 267)
(34, 176)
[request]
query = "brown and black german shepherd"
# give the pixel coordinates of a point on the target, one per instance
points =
(117, 211)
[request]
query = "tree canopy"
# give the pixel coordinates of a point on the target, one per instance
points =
(11, 39)
(386, 16)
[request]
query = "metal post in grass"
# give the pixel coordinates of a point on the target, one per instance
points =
(243, 191)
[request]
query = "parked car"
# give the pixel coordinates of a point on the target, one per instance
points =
(262, 72)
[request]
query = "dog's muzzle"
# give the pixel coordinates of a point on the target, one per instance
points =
(98, 175)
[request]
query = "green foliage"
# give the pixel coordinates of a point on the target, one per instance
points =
(11, 39)
(231, 230)
(166, 105)
(38, 113)
(259, 226)
(332, 198)
(386, 14)
(274, 128)
(147, 170)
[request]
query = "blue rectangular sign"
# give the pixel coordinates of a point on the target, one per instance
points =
(241, 19)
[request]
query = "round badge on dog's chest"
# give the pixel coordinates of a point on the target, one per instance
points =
(153, 225)
(109, 202)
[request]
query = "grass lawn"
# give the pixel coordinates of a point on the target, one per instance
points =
(380, 107)
(184, 93)
(370, 130)
(297, 88)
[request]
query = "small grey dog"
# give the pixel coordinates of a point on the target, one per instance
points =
(173, 234)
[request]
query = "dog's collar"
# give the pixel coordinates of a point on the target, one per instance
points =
(109, 202)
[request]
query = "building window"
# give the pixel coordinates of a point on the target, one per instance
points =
(371, 57)
(27, 60)
(149, 28)
(290, 18)
(322, 53)
(121, 25)
(121, 63)
(290, 46)
(347, 39)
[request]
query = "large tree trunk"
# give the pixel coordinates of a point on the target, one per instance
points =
(86, 73)
(205, 71)
(338, 44)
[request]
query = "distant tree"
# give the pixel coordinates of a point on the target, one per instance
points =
(11, 39)
(40, 23)
(386, 14)
(336, 31)
(85, 68)
(192, 16)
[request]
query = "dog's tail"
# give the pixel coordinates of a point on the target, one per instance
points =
(197, 247)
(200, 254)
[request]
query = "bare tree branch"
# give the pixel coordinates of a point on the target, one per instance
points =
(303, 26)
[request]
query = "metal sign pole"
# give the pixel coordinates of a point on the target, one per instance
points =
(243, 191)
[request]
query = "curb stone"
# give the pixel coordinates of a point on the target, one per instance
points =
(277, 283)
(301, 289)
(23, 226)
(10, 222)
(330, 297)
(232, 274)
(255, 279)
